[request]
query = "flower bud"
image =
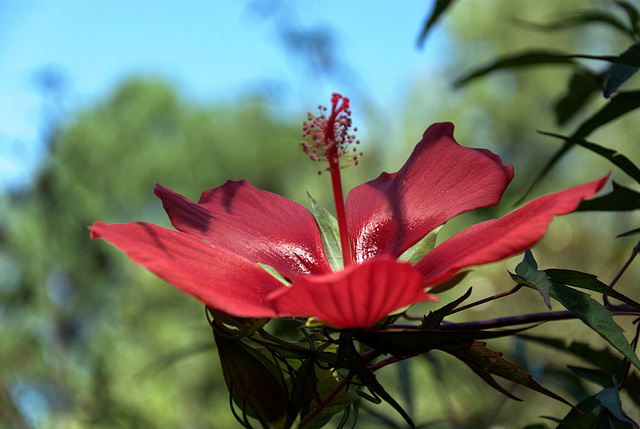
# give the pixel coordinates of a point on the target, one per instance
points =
(254, 382)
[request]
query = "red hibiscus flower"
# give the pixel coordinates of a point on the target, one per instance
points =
(221, 242)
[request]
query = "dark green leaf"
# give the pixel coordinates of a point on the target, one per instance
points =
(597, 376)
(434, 318)
(617, 106)
(582, 86)
(330, 234)
(541, 57)
(587, 281)
(603, 359)
(632, 13)
(596, 317)
(254, 382)
(526, 59)
(581, 416)
(326, 383)
(591, 16)
(610, 399)
(438, 10)
(616, 158)
(402, 342)
(630, 60)
(478, 356)
(303, 392)
(619, 73)
(528, 274)
(480, 370)
(620, 199)
(359, 367)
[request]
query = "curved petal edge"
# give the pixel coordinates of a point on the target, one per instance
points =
(215, 276)
(356, 297)
(498, 239)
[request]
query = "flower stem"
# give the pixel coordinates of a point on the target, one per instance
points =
(340, 213)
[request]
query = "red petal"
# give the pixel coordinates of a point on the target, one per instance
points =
(259, 225)
(440, 180)
(216, 276)
(498, 239)
(356, 297)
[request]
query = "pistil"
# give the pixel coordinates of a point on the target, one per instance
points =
(328, 139)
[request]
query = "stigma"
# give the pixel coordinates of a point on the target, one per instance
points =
(329, 138)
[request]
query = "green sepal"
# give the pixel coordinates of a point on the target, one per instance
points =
(274, 273)
(434, 318)
(419, 250)
(329, 232)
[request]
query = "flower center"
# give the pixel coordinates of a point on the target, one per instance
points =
(328, 139)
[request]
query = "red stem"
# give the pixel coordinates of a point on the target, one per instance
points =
(340, 211)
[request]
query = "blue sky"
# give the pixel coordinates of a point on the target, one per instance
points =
(213, 51)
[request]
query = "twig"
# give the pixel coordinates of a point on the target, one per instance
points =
(635, 252)
(488, 299)
(501, 322)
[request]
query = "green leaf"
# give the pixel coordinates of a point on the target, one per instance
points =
(619, 73)
(449, 283)
(620, 104)
(610, 399)
(597, 376)
(421, 248)
(632, 14)
(525, 59)
(304, 390)
(434, 318)
(483, 360)
(254, 382)
(274, 273)
(588, 281)
(359, 367)
(620, 199)
(581, 416)
(603, 359)
(528, 274)
(596, 317)
(582, 86)
(438, 10)
(616, 158)
(330, 234)
(617, 106)
(403, 342)
(579, 18)
(326, 383)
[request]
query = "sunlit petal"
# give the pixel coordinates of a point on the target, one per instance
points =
(440, 180)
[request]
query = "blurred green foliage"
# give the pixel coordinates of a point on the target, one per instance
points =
(85, 333)
(91, 340)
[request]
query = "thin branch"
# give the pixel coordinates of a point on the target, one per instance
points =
(635, 252)
(501, 322)
(488, 299)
